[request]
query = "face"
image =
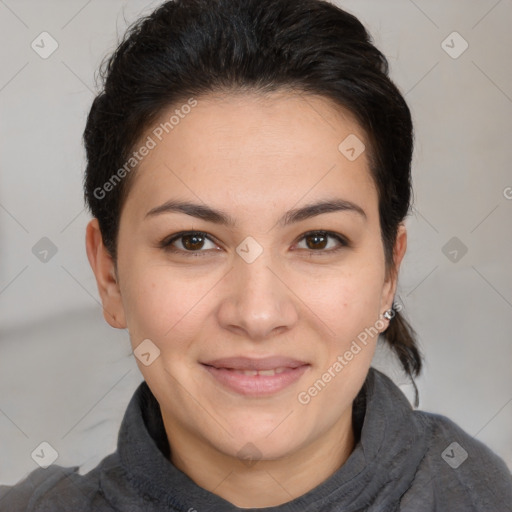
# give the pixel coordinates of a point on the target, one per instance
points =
(257, 304)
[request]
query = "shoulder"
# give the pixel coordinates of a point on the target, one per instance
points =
(31, 491)
(55, 489)
(463, 468)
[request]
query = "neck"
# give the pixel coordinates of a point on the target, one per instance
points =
(262, 483)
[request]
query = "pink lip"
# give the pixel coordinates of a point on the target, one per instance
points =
(250, 363)
(224, 371)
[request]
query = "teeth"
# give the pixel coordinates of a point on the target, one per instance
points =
(267, 373)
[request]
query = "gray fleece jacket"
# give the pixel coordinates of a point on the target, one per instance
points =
(404, 460)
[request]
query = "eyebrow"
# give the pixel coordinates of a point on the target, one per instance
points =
(204, 212)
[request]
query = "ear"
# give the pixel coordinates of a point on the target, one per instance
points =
(389, 289)
(104, 270)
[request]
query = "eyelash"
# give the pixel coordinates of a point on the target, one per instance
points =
(167, 242)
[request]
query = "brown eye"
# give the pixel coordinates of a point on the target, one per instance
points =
(316, 241)
(190, 243)
(319, 242)
(193, 242)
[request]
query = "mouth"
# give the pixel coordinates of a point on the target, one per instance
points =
(273, 371)
(256, 377)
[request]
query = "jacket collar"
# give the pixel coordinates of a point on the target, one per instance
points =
(380, 468)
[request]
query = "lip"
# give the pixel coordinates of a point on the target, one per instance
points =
(226, 372)
(252, 363)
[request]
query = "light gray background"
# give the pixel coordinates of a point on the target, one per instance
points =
(66, 376)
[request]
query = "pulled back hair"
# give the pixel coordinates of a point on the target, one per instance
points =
(189, 48)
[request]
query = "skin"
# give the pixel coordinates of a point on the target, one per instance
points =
(254, 157)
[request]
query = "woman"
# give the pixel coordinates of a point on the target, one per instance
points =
(248, 171)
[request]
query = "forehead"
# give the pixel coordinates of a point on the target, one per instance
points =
(244, 147)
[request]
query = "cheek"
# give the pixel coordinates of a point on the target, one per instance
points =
(165, 303)
(160, 303)
(347, 300)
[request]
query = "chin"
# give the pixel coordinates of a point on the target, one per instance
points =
(261, 444)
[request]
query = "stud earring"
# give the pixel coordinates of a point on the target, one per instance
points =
(389, 314)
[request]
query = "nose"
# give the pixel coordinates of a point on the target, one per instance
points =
(258, 303)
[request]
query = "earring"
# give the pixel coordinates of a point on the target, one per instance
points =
(389, 314)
